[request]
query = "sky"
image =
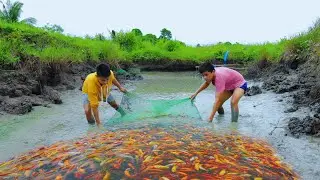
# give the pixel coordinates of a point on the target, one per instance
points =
(191, 21)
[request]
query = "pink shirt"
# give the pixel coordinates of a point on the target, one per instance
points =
(227, 79)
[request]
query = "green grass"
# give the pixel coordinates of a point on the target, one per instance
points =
(19, 41)
(304, 41)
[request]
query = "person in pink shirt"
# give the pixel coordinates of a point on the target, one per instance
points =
(228, 83)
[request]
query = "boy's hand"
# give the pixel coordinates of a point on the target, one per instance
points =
(193, 96)
(99, 125)
(211, 117)
(124, 90)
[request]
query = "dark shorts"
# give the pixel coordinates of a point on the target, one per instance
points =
(85, 99)
(244, 87)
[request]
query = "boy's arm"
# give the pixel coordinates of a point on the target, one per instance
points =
(116, 83)
(202, 87)
(216, 106)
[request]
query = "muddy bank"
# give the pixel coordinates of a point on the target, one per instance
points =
(296, 74)
(41, 84)
(177, 66)
(168, 66)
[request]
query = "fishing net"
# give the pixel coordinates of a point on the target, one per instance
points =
(138, 109)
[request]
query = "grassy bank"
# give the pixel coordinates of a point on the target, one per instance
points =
(22, 43)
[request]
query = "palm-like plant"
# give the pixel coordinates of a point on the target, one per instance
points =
(11, 12)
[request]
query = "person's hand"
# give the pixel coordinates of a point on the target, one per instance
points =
(211, 117)
(124, 90)
(98, 122)
(193, 96)
(100, 126)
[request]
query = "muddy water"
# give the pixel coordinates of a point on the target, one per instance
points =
(258, 117)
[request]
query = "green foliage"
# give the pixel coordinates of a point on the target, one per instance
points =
(19, 40)
(53, 28)
(99, 37)
(150, 38)
(127, 41)
(6, 56)
(169, 45)
(11, 12)
(165, 34)
(137, 32)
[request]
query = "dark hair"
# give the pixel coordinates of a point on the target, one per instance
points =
(206, 67)
(103, 70)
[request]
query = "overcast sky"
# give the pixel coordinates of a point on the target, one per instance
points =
(191, 21)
